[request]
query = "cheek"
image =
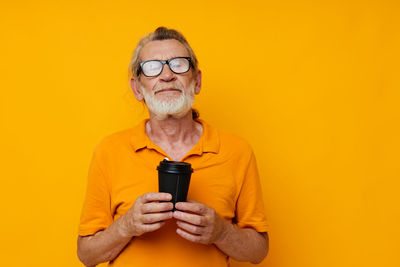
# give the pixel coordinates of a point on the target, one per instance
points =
(148, 85)
(186, 81)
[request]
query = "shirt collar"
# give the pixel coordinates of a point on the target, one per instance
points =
(209, 141)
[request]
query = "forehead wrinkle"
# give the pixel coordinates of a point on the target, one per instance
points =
(163, 50)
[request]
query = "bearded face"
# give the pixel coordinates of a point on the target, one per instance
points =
(170, 93)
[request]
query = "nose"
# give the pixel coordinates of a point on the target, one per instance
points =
(167, 75)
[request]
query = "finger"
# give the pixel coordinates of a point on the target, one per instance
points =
(188, 236)
(190, 218)
(156, 217)
(153, 207)
(152, 227)
(190, 228)
(195, 207)
(155, 196)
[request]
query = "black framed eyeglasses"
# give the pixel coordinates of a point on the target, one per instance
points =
(153, 68)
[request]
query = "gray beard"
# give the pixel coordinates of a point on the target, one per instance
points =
(176, 107)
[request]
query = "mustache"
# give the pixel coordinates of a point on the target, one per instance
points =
(163, 86)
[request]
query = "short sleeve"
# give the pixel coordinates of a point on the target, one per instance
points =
(250, 207)
(96, 213)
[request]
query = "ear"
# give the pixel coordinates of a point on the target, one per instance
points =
(136, 90)
(198, 83)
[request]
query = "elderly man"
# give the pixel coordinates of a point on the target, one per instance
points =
(126, 222)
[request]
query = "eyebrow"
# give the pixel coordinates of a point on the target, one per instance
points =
(141, 60)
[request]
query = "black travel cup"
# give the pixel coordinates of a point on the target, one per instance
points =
(174, 178)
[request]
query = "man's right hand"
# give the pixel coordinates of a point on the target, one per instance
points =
(147, 214)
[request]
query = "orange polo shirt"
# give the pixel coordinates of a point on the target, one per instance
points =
(225, 178)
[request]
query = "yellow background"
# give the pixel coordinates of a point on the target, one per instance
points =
(312, 85)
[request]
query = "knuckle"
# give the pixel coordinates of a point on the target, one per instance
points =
(202, 209)
(167, 206)
(143, 208)
(142, 198)
(212, 212)
(210, 231)
(199, 209)
(146, 219)
(138, 200)
(147, 196)
(137, 229)
(136, 220)
(146, 228)
(196, 230)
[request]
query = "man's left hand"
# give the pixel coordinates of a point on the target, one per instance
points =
(198, 222)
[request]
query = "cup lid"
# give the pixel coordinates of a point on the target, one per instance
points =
(174, 166)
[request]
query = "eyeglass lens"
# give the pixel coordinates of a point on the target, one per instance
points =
(154, 67)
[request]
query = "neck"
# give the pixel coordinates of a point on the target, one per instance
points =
(173, 131)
